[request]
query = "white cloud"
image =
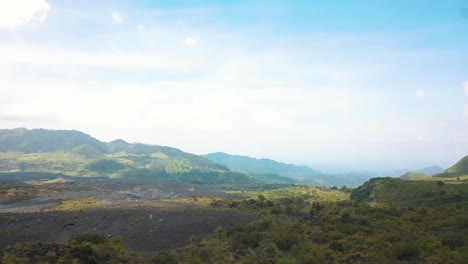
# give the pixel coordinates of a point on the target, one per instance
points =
(465, 87)
(140, 28)
(182, 113)
(117, 17)
(30, 56)
(16, 13)
(227, 94)
(419, 93)
(189, 42)
(465, 110)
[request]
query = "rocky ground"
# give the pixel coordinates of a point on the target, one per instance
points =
(148, 215)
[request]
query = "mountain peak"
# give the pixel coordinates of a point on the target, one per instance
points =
(458, 169)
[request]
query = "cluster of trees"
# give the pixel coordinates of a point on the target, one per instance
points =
(293, 229)
(83, 248)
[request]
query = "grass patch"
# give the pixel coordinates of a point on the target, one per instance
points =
(396, 192)
(45, 182)
(76, 205)
(308, 193)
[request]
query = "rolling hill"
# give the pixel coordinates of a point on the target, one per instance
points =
(418, 189)
(74, 153)
(398, 192)
(43, 140)
(414, 176)
(263, 166)
(458, 169)
(432, 170)
(298, 174)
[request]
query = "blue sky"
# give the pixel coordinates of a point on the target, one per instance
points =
(349, 84)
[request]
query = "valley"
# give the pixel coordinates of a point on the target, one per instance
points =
(167, 213)
(151, 204)
(233, 132)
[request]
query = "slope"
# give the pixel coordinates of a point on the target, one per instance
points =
(458, 169)
(414, 176)
(431, 170)
(397, 192)
(299, 174)
(263, 166)
(74, 153)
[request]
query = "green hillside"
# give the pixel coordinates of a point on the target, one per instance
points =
(74, 153)
(298, 174)
(263, 166)
(43, 140)
(414, 176)
(397, 192)
(458, 169)
(268, 170)
(431, 170)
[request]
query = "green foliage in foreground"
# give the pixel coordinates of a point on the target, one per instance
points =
(299, 224)
(87, 248)
(292, 229)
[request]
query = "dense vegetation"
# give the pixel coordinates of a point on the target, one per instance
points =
(83, 248)
(26, 141)
(74, 153)
(300, 224)
(415, 219)
(303, 229)
(396, 192)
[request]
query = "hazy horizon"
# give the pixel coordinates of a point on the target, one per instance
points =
(356, 86)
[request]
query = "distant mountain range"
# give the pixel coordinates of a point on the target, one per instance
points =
(459, 169)
(421, 174)
(432, 170)
(298, 173)
(75, 153)
(263, 166)
(72, 141)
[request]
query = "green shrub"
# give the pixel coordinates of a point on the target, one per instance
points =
(166, 257)
(405, 250)
(93, 238)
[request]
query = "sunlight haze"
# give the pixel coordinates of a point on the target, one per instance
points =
(363, 85)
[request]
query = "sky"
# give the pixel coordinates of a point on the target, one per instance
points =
(357, 84)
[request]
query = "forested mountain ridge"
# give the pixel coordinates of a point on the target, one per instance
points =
(75, 153)
(298, 173)
(262, 166)
(44, 140)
